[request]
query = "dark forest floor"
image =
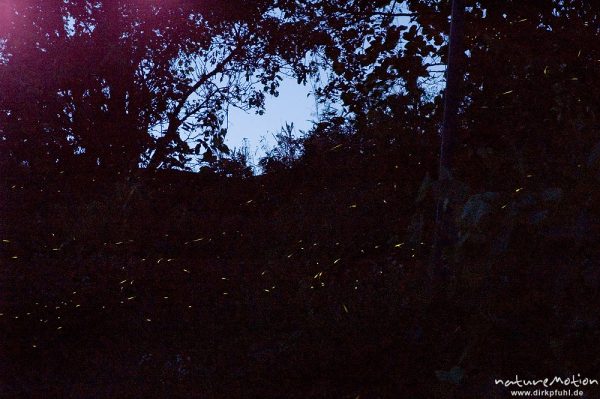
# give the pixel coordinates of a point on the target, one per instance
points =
(206, 287)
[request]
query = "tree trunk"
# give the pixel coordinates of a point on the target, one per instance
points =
(445, 225)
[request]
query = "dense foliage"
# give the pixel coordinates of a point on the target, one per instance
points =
(119, 84)
(312, 279)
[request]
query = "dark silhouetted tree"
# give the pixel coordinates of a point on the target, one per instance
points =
(116, 84)
(445, 219)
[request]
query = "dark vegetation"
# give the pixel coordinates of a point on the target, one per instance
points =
(127, 274)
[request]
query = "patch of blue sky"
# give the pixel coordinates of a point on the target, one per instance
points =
(295, 104)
